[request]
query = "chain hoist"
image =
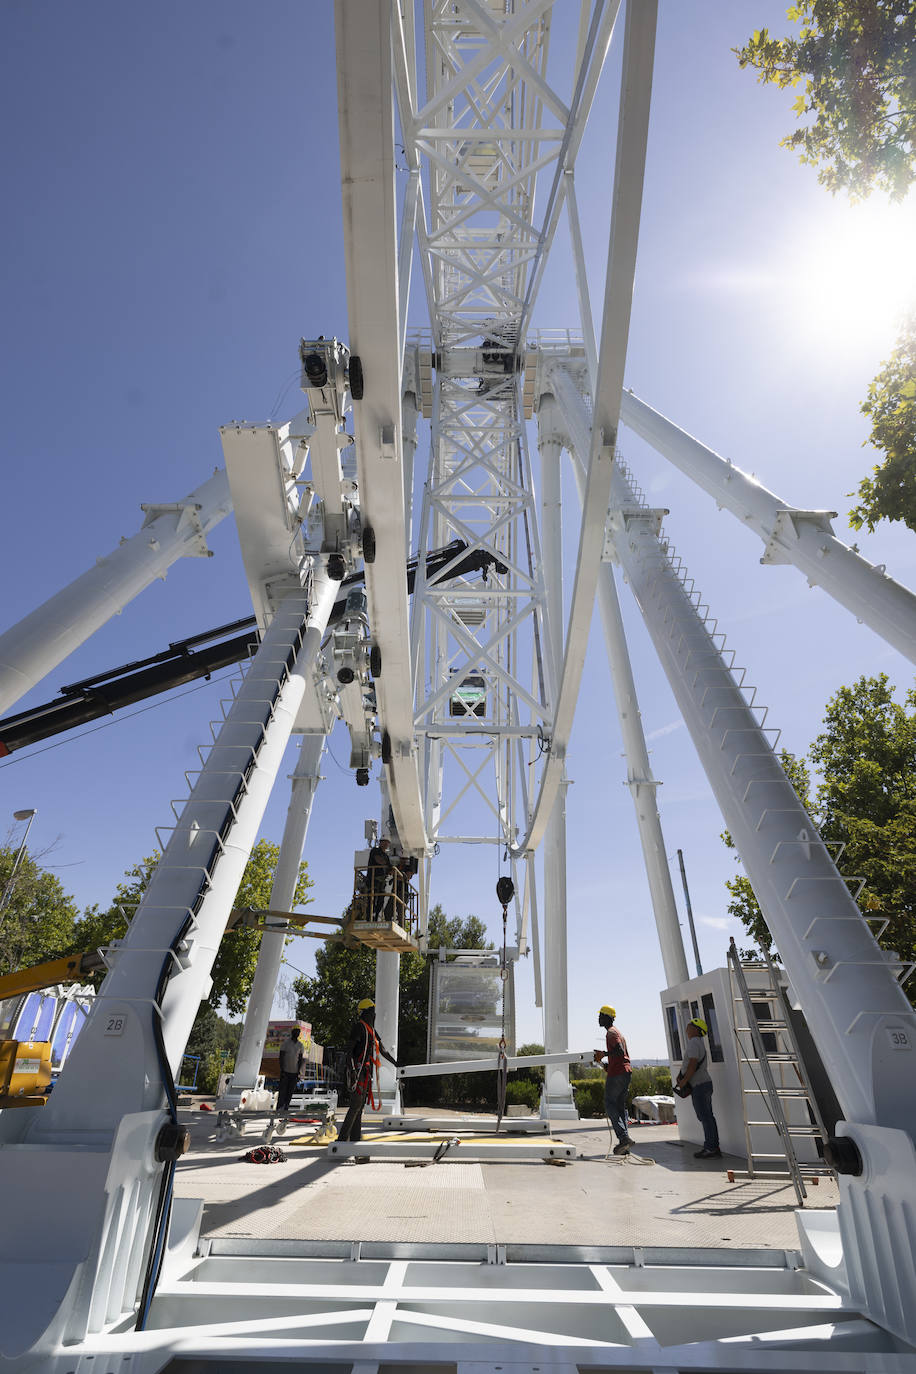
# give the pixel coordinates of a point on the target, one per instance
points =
(505, 891)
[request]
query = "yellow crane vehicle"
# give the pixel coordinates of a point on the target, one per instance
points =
(53, 1021)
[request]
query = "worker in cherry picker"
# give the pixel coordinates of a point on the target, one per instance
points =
(379, 877)
(363, 1056)
(617, 1083)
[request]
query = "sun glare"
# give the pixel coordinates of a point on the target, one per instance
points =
(855, 277)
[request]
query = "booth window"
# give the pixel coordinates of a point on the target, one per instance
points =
(673, 1033)
(716, 1053)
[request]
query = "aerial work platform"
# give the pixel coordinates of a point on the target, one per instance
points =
(383, 912)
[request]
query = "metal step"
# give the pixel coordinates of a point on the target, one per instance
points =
(793, 1130)
(780, 1058)
(780, 1092)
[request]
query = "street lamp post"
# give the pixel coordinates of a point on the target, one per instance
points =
(8, 890)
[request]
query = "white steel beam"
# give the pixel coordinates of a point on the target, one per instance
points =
(42, 639)
(859, 1017)
(561, 391)
(632, 135)
(92, 1149)
(366, 118)
(463, 1150)
(514, 1062)
(802, 537)
(273, 941)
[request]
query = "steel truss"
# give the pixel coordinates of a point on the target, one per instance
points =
(491, 123)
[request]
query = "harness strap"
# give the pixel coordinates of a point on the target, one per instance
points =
(370, 1060)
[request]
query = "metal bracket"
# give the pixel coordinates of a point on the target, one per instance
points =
(188, 513)
(786, 531)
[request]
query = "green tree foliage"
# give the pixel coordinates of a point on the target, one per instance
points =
(865, 757)
(856, 63)
(38, 917)
(743, 905)
(857, 59)
(648, 1080)
(234, 966)
(890, 494)
(215, 1042)
(535, 1073)
(588, 1095)
(345, 976)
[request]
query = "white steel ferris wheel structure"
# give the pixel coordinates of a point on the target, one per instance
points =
(490, 136)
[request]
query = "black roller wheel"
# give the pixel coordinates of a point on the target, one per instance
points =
(362, 777)
(368, 544)
(355, 372)
(375, 661)
(386, 748)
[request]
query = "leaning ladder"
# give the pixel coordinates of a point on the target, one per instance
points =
(753, 1054)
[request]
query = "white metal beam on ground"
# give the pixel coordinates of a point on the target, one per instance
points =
(366, 117)
(802, 537)
(527, 1125)
(42, 639)
(464, 1149)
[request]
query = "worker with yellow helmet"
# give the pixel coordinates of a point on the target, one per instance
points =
(363, 1051)
(617, 1083)
(694, 1081)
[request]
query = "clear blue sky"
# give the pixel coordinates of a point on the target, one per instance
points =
(172, 227)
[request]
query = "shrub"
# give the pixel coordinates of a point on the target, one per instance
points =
(650, 1080)
(588, 1094)
(519, 1092)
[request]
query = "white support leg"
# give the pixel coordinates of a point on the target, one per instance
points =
(640, 781)
(90, 1151)
(387, 994)
(861, 1021)
(557, 1098)
(557, 1102)
(30, 649)
(270, 955)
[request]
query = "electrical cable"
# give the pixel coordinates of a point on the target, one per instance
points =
(116, 720)
(282, 393)
(164, 1205)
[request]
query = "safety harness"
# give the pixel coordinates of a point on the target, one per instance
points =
(370, 1060)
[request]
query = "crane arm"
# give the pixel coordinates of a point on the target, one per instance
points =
(182, 662)
(70, 968)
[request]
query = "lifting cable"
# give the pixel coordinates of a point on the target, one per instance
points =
(505, 891)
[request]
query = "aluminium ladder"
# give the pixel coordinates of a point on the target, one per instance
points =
(754, 1055)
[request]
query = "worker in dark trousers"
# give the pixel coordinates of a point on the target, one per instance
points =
(617, 1083)
(291, 1057)
(363, 1053)
(380, 875)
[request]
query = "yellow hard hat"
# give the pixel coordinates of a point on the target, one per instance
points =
(607, 1011)
(700, 1024)
(365, 1004)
